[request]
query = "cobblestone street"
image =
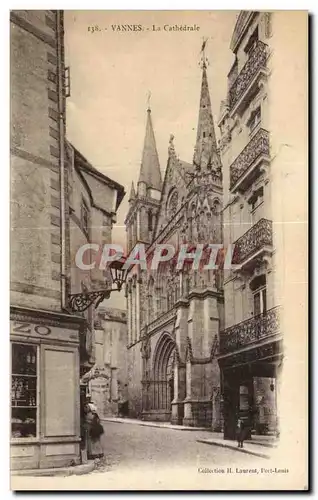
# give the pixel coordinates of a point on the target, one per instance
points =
(140, 457)
(139, 447)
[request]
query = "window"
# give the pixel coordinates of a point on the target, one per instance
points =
(24, 400)
(244, 398)
(150, 224)
(255, 119)
(260, 302)
(251, 44)
(256, 201)
(172, 204)
(258, 287)
(85, 217)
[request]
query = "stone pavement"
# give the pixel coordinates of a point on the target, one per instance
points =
(76, 470)
(255, 446)
(249, 447)
(141, 457)
(165, 425)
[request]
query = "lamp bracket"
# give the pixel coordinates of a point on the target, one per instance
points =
(79, 302)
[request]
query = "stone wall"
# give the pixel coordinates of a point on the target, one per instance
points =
(35, 186)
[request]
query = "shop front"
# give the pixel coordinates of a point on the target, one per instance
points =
(249, 387)
(45, 389)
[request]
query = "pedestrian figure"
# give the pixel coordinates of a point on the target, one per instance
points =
(90, 403)
(240, 432)
(94, 433)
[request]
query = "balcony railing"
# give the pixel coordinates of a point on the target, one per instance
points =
(258, 146)
(255, 62)
(259, 236)
(250, 331)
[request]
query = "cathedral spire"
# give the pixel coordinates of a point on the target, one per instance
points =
(150, 169)
(205, 154)
(132, 194)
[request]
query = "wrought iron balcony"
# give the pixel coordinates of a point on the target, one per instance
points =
(255, 62)
(250, 331)
(256, 149)
(258, 237)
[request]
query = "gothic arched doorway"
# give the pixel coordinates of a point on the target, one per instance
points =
(163, 380)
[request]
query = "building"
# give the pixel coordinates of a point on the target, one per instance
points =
(174, 318)
(255, 134)
(207, 347)
(58, 202)
(107, 380)
(93, 200)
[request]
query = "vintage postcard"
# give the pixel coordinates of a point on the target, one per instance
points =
(158, 319)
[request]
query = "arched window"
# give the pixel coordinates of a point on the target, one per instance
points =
(169, 370)
(150, 221)
(172, 204)
(150, 298)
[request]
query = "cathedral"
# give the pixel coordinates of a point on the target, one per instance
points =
(175, 315)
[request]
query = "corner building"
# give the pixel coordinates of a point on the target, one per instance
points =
(58, 203)
(175, 317)
(259, 130)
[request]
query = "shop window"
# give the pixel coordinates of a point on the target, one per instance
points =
(24, 400)
(244, 398)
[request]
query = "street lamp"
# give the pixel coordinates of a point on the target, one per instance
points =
(79, 302)
(118, 272)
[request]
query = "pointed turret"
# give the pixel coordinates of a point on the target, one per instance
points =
(132, 194)
(150, 175)
(206, 154)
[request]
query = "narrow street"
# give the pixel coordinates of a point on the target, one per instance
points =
(140, 457)
(140, 447)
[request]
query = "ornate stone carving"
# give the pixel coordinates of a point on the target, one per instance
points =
(145, 348)
(163, 320)
(268, 24)
(258, 145)
(255, 62)
(250, 331)
(171, 149)
(95, 372)
(201, 361)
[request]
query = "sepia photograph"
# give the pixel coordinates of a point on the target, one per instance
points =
(158, 250)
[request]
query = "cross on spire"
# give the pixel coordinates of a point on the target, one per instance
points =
(148, 100)
(204, 62)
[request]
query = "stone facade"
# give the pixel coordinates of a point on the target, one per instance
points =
(51, 185)
(250, 290)
(107, 381)
(174, 317)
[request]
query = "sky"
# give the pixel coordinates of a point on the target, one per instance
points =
(112, 73)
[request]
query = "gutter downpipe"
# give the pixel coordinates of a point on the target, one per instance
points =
(60, 68)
